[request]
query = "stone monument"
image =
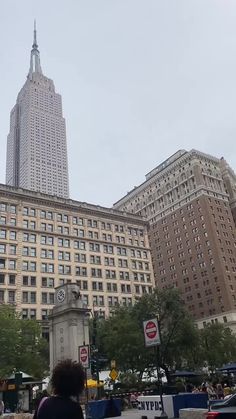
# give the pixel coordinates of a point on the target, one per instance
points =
(69, 324)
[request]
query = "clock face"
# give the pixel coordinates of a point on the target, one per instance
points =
(61, 294)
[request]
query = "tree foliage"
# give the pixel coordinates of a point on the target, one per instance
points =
(217, 345)
(184, 346)
(21, 346)
(121, 336)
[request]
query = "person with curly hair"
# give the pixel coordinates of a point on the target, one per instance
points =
(67, 382)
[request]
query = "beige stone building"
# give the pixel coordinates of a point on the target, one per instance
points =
(189, 200)
(47, 241)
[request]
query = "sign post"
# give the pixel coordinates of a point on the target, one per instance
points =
(152, 337)
(84, 356)
(84, 359)
(151, 332)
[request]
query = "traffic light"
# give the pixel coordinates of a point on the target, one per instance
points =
(94, 368)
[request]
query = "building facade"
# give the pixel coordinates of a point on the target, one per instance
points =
(47, 241)
(36, 143)
(188, 201)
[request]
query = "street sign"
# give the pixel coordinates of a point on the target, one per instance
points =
(84, 355)
(151, 332)
(113, 374)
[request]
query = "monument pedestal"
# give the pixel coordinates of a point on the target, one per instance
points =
(69, 324)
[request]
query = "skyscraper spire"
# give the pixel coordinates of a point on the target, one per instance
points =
(35, 66)
(35, 45)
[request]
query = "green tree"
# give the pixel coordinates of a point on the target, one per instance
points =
(22, 347)
(179, 336)
(217, 345)
(121, 336)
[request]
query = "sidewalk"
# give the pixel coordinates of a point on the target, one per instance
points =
(130, 414)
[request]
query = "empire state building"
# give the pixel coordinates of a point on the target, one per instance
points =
(36, 143)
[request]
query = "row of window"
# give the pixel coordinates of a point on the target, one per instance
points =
(78, 244)
(49, 282)
(48, 298)
(49, 215)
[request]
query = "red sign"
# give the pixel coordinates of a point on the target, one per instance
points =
(151, 332)
(84, 355)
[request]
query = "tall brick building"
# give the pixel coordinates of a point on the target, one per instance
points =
(189, 201)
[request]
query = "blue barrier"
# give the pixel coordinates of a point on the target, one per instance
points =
(187, 400)
(101, 409)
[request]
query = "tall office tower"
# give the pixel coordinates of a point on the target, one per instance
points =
(36, 143)
(187, 200)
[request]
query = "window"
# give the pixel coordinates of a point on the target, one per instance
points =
(49, 240)
(95, 259)
(51, 298)
(25, 296)
(43, 214)
(44, 296)
(3, 207)
(1, 296)
(122, 251)
(11, 296)
(12, 279)
(25, 224)
(33, 313)
(107, 248)
(13, 209)
(2, 248)
(12, 249)
(44, 314)
(3, 234)
(47, 267)
(80, 271)
(94, 247)
(97, 273)
(64, 269)
(47, 253)
(2, 263)
(32, 238)
(80, 257)
(32, 212)
(79, 245)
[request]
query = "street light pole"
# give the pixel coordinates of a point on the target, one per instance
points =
(158, 358)
(95, 315)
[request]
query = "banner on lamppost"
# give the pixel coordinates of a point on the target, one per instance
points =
(151, 332)
(84, 356)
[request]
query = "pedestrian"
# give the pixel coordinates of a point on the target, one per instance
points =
(189, 388)
(219, 391)
(1, 407)
(133, 400)
(227, 390)
(211, 392)
(7, 408)
(67, 382)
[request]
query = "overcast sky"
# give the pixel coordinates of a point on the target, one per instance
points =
(139, 80)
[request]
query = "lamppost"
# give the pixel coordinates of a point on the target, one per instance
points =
(96, 315)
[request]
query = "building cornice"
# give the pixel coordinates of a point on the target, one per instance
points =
(70, 205)
(179, 161)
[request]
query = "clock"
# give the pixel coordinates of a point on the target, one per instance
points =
(61, 295)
